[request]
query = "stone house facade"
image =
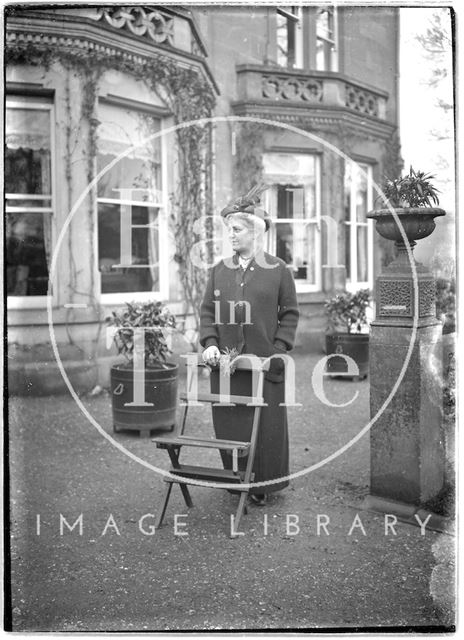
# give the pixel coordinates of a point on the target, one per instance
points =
(303, 98)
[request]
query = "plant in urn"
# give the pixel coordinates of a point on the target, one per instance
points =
(411, 212)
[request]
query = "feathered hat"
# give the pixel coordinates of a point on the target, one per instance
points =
(249, 203)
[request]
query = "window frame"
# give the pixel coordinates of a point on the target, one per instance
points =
(301, 287)
(351, 227)
(333, 66)
(120, 298)
(297, 18)
(13, 101)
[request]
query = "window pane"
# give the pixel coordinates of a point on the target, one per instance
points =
(324, 24)
(27, 154)
(288, 36)
(119, 130)
(27, 254)
(290, 169)
(26, 203)
(356, 205)
(362, 253)
(323, 55)
(282, 40)
(293, 196)
(324, 39)
(348, 251)
(295, 244)
(347, 191)
(145, 250)
(290, 201)
(361, 195)
(347, 210)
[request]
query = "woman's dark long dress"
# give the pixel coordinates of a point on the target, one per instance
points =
(263, 323)
(235, 423)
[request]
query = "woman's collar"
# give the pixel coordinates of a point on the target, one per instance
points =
(253, 259)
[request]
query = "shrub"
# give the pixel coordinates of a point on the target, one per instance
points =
(152, 315)
(347, 312)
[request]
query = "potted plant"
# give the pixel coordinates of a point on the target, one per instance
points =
(157, 408)
(413, 197)
(347, 331)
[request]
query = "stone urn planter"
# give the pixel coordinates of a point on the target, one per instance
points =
(409, 217)
(412, 197)
(347, 334)
(144, 386)
(417, 223)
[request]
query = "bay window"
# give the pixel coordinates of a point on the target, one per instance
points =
(293, 202)
(29, 199)
(359, 233)
(130, 205)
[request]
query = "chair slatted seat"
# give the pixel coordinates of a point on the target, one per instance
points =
(182, 474)
(208, 443)
(208, 473)
(216, 398)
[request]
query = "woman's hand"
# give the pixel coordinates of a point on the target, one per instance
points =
(211, 355)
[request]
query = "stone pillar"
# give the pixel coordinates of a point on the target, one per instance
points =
(407, 457)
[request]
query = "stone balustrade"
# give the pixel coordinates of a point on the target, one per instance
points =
(299, 88)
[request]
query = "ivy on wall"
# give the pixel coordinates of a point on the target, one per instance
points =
(189, 97)
(248, 168)
(392, 166)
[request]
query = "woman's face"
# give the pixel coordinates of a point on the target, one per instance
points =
(241, 237)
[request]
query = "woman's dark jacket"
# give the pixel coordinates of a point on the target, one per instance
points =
(253, 310)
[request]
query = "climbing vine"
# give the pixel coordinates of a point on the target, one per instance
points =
(392, 161)
(189, 97)
(392, 166)
(249, 145)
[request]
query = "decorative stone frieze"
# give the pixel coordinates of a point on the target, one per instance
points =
(278, 87)
(396, 298)
(151, 23)
(361, 100)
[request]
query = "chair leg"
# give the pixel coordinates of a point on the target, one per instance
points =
(167, 493)
(239, 513)
(186, 494)
(174, 455)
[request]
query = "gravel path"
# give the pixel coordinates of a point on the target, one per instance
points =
(100, 580)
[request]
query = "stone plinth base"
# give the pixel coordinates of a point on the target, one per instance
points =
(407, 458)
(407, 513)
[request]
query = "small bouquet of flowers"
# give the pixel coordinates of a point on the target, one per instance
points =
(226, 361)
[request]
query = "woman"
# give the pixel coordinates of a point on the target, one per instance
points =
(250, 304)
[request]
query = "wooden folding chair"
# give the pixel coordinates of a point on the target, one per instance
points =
(182, 474)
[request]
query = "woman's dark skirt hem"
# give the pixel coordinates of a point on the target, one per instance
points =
(235, 423)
